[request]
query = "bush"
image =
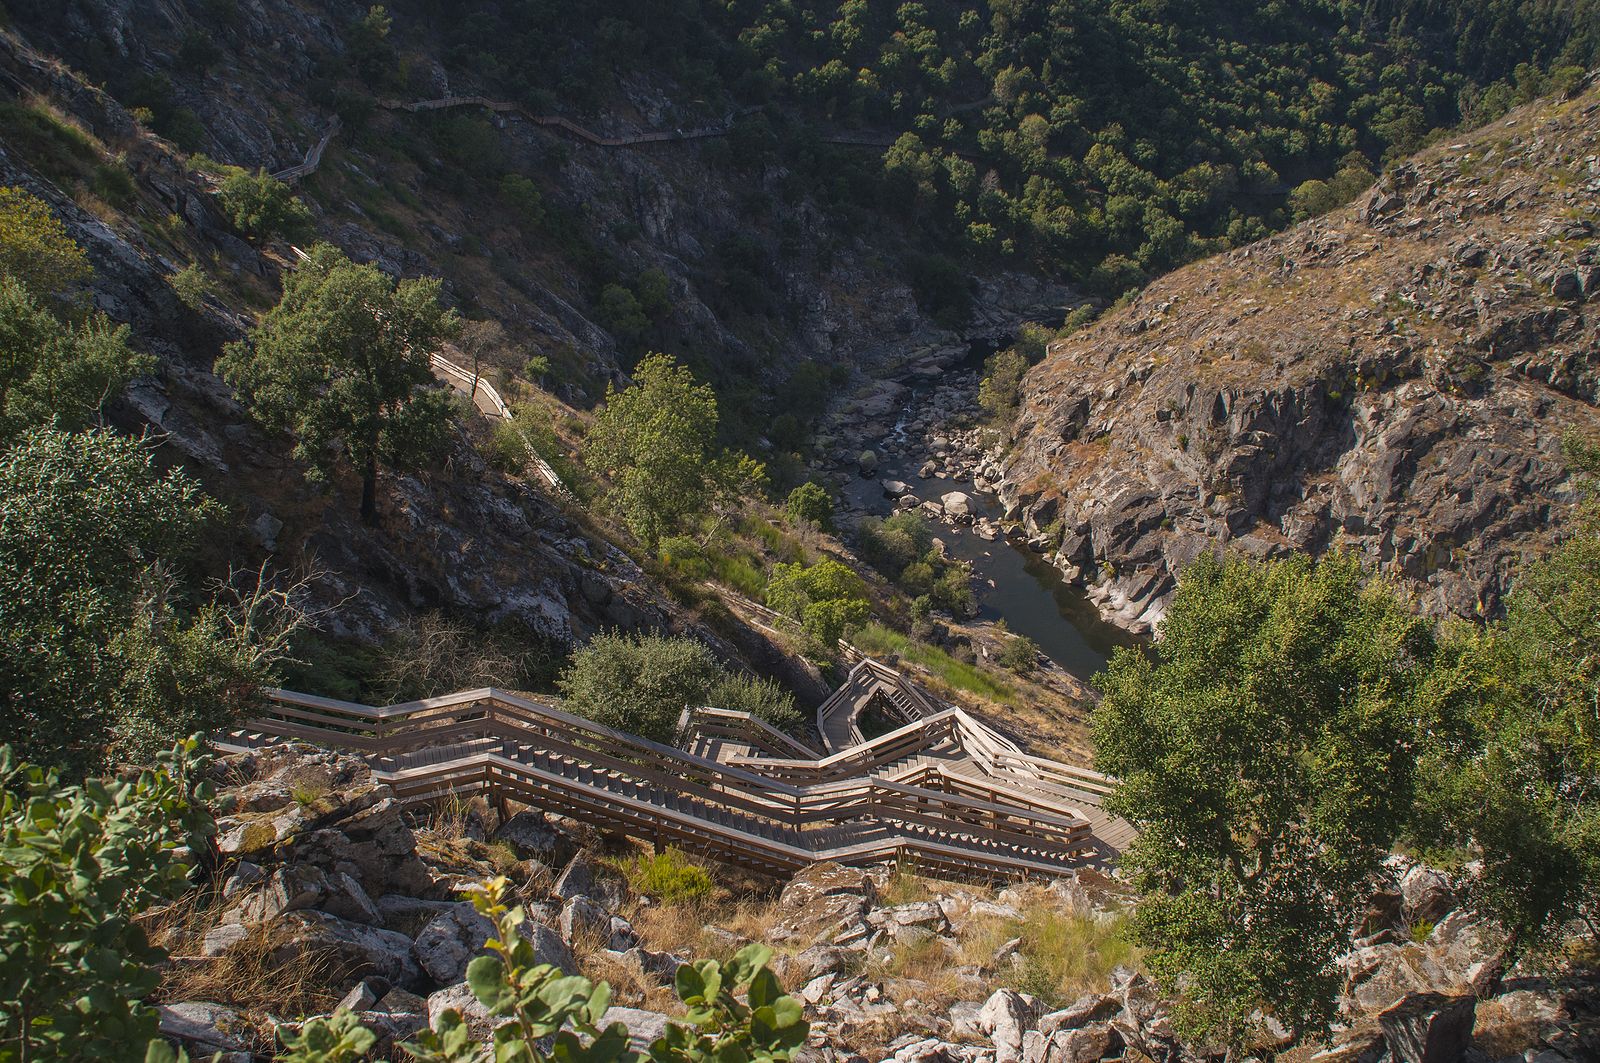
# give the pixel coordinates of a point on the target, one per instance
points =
(260, 206)
(192, 286)
(77, 865)
(35, 247)
(670, 878)
(811, 502)
(1020, 654)
(682, 554)
(546, 1008)
(507, 448)
(761, 697)
(639, 684)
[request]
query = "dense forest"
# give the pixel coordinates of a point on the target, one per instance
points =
(1108, 140)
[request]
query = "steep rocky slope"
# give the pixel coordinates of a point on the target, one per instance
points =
(1393, 379)
(761, 275)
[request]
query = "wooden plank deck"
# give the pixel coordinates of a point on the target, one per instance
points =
(943, 791)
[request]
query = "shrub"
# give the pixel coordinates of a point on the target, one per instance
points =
(811, 502)
(639, 684)
(77, 864)
(260, 206)
(35, 247)
(507, 448)
(1020, 654)
(669, 877)
(192, 286)
(682, 554)
(761, 697)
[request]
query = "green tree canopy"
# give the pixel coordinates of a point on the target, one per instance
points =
(78, 864)
(95, 652)
(259, 205)
(1264, 753)
(55, 372)
(35, 247)
(827, 598)
(342, 364)
(1513, 761)
(812, 503)
(653, 442)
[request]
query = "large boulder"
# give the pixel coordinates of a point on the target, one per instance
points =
(822, 903)
(1084, 1044)
(1428, 895)
(356, 949)
(582, 919)
(460, 999)
(373, 845)
(957, 505)
(205, 1028)
(1429, 1027)
(643, 1026)
(1005, 1017)
(450, 940)
(584, 876)
(532, 836)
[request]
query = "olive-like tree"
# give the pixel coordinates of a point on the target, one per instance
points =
(653, 442)
(1264, 751)
(343, 364)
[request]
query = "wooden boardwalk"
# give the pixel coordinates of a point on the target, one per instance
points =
(935, 794)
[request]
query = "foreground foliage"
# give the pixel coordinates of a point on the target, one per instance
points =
(77, 864)
(1265, 755)
(539, 1006)
(97, 653)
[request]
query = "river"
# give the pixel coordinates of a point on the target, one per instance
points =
(1012, 583)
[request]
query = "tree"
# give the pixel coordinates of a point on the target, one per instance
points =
(342, 364)
(259, 205)
(77, 865)
(34, 245)
(827, 598)
(653, 442)
(1000, 390)
(1265, 755)
(810, 502)
(1513, 758)
(95, 655)
(54, 372)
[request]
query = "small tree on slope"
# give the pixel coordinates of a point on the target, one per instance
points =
(342, 364)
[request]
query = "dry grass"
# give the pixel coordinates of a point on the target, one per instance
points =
(245, 977)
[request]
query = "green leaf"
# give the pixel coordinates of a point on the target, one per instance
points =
(486, 976)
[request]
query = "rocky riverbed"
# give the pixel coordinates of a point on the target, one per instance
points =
(915, 443)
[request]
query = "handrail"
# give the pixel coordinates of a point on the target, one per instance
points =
(755, 810)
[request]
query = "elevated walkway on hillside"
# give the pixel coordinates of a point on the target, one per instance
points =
(937, 793)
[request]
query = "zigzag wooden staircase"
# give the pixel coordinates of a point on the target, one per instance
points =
(943, 792)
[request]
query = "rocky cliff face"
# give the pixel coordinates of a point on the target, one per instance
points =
(1393, 379)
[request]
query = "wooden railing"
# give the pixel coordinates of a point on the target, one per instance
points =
(768, 813)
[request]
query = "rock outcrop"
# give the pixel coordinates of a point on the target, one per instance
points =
(1393, 378)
